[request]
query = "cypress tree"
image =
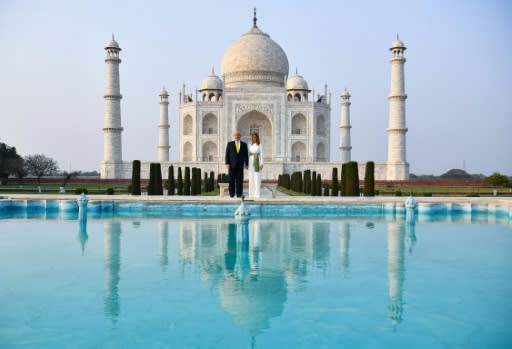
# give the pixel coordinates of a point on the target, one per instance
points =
(318, 185)
(313, 184)
(136, 177)
(171, 184)
(155, 179)
(159, 182)
(307, 181)
(352, 179)
(293, 184)
(151, 179)
(180, 182)
(356, 178)
(287, 181)
(334, 182)
(211, 183)
(186, 182)
(369, 179)
(348, 179)
(193, 182)
(199, 187)
(206, 187)
(343, 184)
(300, 183)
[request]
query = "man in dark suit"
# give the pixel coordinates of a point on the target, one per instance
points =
(237, 158)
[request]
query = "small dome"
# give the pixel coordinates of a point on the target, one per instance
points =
(397, 44)
(211, 82)
(164, 92)
(112, 44)
(297, 82)
(345, 94)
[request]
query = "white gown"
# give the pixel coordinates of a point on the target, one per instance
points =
(255, 176)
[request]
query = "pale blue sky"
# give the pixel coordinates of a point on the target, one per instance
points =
(458, 72)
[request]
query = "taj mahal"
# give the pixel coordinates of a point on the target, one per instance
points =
(254, 93)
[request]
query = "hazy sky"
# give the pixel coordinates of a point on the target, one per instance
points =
(458, 72)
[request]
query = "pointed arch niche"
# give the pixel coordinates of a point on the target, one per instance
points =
(260, 123)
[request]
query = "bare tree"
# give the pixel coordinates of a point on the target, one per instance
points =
(40, 165)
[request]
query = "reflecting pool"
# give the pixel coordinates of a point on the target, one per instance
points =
(124, 282)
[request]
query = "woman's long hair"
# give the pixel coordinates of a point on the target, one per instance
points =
(257, 138)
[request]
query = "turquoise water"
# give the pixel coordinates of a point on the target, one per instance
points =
(160, 282)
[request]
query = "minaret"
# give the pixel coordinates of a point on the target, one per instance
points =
(112, 129)
(397, 166)
(345, 127)
(163, 139)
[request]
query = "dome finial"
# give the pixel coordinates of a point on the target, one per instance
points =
(254, 19)
(296, 71)
(113, 37)
(213, 71)
(397, 37)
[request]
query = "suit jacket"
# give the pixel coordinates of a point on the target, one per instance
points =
(235, 160)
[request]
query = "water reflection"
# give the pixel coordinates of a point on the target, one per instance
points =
(344, 237)
(112, 267)
(256, 264)
(400, 235)
(163, 241)
(82, 232)
(396, 269)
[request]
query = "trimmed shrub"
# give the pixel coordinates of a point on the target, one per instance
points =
(171, 183)
(186, 181)
(398, 192)
(343, 184)
(313, 183)
(79, 191)
(351, 184)
(211, 182)
(326, 191)
(369, 179)
(110, 191)
(179, 183)
(318, 191)
(155, 179)
(307, 182)
(286, 181)
(206, 187)
(334, 182)
(198, 179)
(135, 190)
(193, 182)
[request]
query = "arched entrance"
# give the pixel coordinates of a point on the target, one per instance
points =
(255, 121)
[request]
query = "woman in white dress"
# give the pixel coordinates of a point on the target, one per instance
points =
(255, 166)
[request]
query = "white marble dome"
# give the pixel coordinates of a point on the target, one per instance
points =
(345, 94)
(397, 44)
(112, 44)
(255, 59)
(211, 82)
(297, 82)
